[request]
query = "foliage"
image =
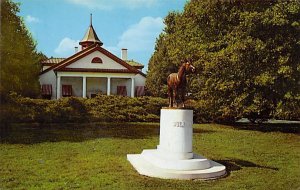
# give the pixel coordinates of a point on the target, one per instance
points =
(20, 109)
(19, 58)
(118, 108)
(72, 109)
(246, 54)
(93, 156)
(111, 109)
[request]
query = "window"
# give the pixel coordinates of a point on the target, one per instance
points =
(47, 91)
(97, 60)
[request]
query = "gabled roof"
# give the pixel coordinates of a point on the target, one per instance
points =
(67, 59)
(62, 66)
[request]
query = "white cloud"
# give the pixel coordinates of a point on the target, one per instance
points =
(111, 4)
(31, 19)
(142, 36)
(66, 47)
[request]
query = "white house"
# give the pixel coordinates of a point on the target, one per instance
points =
(92, 70)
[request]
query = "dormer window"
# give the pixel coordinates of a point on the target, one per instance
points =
(97, 60)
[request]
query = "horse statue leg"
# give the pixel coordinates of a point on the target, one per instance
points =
(175, 96)
(182, 97)
(170, 94)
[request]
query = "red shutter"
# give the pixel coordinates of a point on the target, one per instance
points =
(121, 90)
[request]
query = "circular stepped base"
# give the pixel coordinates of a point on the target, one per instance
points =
(149, 164)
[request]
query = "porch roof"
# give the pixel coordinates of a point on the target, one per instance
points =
(97, 70)
(52, 61)
(135, 64)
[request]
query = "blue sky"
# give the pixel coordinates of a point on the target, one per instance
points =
(58, 25)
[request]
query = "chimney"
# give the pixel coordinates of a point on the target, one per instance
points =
(124, 54)
(76, 49)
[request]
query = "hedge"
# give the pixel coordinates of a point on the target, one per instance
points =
(102, 108)
(73, 109)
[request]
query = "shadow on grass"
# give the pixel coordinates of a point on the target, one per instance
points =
(237, 164)
(38, 133)
(269, 127)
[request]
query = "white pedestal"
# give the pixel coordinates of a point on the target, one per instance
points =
(174, 158)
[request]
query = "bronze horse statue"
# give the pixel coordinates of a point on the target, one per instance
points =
(177, 82)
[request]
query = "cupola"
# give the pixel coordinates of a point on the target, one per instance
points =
(90, 37)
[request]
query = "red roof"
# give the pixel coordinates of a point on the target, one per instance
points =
(52, 61)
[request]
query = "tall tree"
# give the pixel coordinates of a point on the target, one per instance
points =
(19, 58)
(246, 53)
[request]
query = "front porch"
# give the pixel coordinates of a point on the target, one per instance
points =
(88, 86)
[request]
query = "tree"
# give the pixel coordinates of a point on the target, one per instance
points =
(19, 58)
(159, 64)
(246, 54)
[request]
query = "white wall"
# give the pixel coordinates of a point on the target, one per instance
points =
(85, 62)
(49, 78)
(139, 80)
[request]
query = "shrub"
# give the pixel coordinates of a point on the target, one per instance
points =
(289, 110)
(116, 109)
(73, 109)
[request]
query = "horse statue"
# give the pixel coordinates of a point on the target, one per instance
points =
(177, 83)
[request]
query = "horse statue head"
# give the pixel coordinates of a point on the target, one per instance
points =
(189, 67)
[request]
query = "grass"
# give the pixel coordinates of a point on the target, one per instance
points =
(93, 156)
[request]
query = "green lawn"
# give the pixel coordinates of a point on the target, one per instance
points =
(93, 156)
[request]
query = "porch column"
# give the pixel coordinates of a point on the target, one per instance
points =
(84, 86)
(58, 79)
(132, 87)
(108, 86)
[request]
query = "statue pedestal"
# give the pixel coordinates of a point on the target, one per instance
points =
(174, 158)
